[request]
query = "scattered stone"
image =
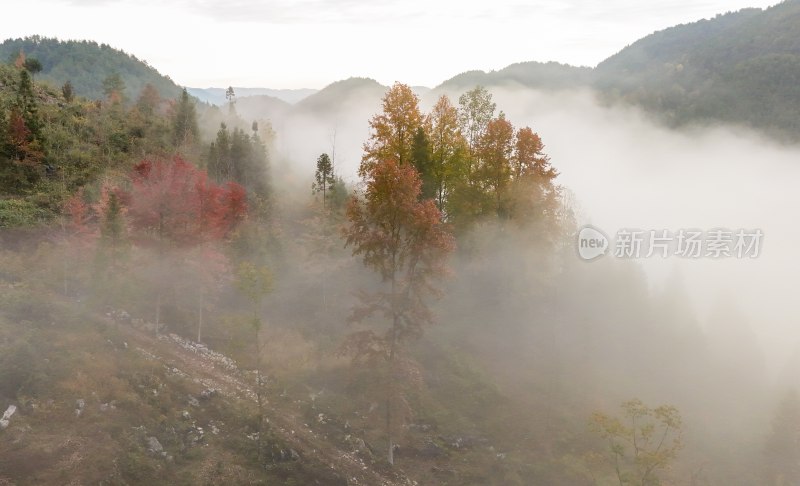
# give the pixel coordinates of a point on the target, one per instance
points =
(186, 415)
(209, 393)
(79, 404)
(119, 315)
(193, 401)
(361, 446)
(155, 447)
(195, 435)
(284, 455)
(7, 416)
(200, 349)
(444, 471)
(105, 407)
(465, 442)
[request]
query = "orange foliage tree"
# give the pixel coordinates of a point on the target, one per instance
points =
(404, 241)
(393, 130)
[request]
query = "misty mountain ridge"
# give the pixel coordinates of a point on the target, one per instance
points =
(216, 96)
(741, 68)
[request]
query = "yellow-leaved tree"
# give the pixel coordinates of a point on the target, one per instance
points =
(643, 443)
(393, 129)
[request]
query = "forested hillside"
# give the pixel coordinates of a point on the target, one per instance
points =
(549, 76)
(53, 142)
(741, 68)
(87, 64)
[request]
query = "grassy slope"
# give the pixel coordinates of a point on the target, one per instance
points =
(134, 387)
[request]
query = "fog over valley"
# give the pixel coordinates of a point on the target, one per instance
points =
(540, 274)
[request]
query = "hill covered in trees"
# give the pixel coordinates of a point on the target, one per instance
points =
(550, 75)
(86, 65)
(741, 67)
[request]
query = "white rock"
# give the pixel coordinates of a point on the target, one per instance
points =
(154, 446)
(7, 416)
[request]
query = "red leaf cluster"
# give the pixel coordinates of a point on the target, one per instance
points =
(172, 201)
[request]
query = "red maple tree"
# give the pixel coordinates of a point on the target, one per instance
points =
(173, 204)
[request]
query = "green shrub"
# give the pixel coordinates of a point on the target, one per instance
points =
(21, 212)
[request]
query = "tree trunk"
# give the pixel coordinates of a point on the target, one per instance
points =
(64, 268)
(200, 319)
(158, 312)
(390, 391)
(259, 396)
(324, 296)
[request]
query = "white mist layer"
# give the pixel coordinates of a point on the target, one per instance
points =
(626, 171)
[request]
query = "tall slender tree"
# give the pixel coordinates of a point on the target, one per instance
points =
(493, 171)
(114, 87)
(404, 240)
(184, 121)
(230, 95)
(447, 146)
(255, 283)
(476, 110)
(324, 179)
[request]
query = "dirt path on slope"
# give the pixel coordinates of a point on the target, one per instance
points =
(214, 370)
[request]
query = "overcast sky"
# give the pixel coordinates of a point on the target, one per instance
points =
(310, 43)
